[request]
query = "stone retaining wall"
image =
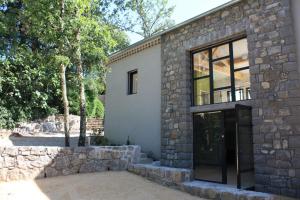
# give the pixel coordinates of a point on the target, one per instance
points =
(55, 124)
(37, 162)
(163, 175)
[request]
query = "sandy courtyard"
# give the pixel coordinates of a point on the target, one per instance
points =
(100, 186)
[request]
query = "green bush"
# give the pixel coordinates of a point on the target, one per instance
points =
(99, 140)
(95, 108)
(6, 120)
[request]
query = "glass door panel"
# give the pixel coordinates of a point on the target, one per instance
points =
(244, 137)
(209, 146)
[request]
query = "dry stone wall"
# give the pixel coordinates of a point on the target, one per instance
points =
(275, 88)
(55, 124)
(40, 162)
(163, 175)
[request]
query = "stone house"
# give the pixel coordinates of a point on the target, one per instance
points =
(219, 94)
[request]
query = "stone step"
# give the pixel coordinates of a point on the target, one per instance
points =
(146, 161)
(163, 175)
(218, 191)
(143, 155)
(182, 179)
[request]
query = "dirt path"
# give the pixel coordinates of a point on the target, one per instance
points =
(100, 186)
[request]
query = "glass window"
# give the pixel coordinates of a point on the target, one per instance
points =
(242, 82)
(201, 64)
(240, 53)
(201, 91)
(226, 70)
(132, 82)
(221, 71)
(220, 51)
(221, 96)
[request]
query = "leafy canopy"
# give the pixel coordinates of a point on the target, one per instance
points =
(30, 38)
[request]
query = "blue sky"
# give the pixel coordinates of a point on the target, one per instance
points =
(186, 9)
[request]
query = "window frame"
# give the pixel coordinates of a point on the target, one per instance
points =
(130, 82)
(232, 87)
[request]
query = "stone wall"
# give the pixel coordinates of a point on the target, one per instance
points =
(275, 87)
(94, 124)
(40, 162)
(163, 175)
(55, 124)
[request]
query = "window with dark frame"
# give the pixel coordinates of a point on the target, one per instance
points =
(221, 73)
(132, 82)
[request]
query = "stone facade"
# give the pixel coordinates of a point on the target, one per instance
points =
(275, 88)
(40, 162)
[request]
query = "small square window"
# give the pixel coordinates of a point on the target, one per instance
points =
(132, 82)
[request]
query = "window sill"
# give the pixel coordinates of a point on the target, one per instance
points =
(219, 106)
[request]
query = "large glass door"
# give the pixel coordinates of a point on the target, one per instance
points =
(209, 147)
(244, 147)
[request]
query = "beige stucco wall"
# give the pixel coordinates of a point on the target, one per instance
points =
(137, 115)
(296, 18)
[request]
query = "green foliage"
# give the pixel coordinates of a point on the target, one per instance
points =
(95, 108)
(99, 140)
(32, 48)
(93, 88)
(143, 17)
(5, 118)
(151, 16)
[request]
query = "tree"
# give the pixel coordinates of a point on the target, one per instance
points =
(78, 15)
(42, 43)
(143, 17)
(93, 41)
(29, 82)
(151, 16)
(63, 83)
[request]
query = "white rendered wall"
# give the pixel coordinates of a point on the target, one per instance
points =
(136, 115)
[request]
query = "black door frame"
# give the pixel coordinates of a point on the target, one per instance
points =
(238, 155)
(224, 163)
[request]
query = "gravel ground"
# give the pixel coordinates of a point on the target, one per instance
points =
(100, 186)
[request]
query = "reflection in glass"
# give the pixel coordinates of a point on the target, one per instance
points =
(220, 51)
(208, 128)
(201, 64)
(221, 71)
(221, 96)
(240, 53)
(201, 91)
(242, 83)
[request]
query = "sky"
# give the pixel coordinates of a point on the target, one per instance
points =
(184, 10)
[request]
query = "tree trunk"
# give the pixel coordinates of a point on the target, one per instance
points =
(81, 141)
(63, 79)
(66, 104)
